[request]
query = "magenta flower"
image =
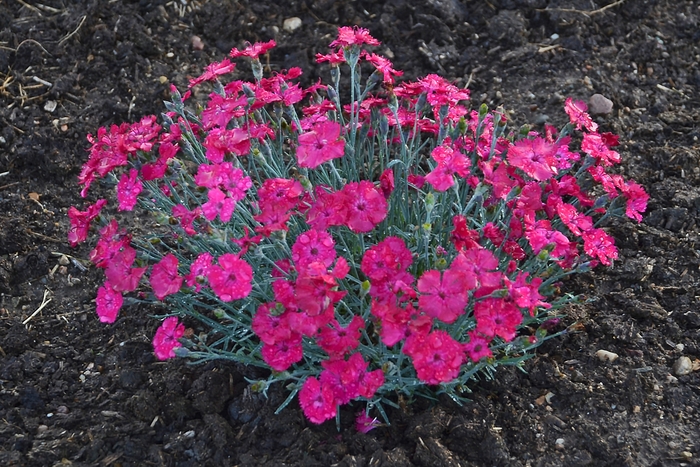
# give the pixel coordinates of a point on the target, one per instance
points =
(109, 302)
(364, 423)
(497, 317)
(80, 221)
(128, 190)
(253, 51)
(317, 401)
(477, 347)
(437, 357)
(348, 36)
(598, 244)
(594, 144)
(199, 270)
(283, 353)
(166, 338)
(444, 298)
(164, 277)
(218, 205)
(313, 246)
(535, 157)
(366, 206)
(320, 145)
(578, 115)
(231, 279)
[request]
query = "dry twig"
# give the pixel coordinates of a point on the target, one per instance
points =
(44, 301)
(585, 13)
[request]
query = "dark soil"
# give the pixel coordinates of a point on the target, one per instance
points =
(76, 392)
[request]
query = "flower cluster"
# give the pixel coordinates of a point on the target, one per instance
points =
(390, 243)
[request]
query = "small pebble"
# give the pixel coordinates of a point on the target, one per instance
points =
(63, 260)
(598, 104)
(559, 443)
(291, 24)
(197, 43)
(683, 366)
(41, 428)
(606, 356)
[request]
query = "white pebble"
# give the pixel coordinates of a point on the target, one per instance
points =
(683, 366)
(291, 24)
(606, 356)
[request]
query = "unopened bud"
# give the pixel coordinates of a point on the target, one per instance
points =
(258, 386)
(483, 111)
(429, 203)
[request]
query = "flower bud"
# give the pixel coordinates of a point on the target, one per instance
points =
(332, 93)
(429, 203)
(181, 351)
(258, 386)
(483, 111)
(257, 69)
(365, 288)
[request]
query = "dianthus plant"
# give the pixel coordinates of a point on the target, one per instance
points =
(363, 239)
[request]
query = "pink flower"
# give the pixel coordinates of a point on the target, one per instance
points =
(253, 51)
(497, 317)
(328, 210)
(320, 145)
(283, 353)
(164, 277)
(166, 338)
(111, 241)
(334, 58)
(446, 298)
(119, 272)
(80, 221)
(462, 237)
(366, 206)
(386, 182)
(594, 144)
(199, 270)
(386, 259)
(109, 302)
(526, 295)
(317, 401)
(477, 347)
(384, 66)
(436, 357)
(348, 36)
(270, 325)
(187, 217)
(364, 423)
(313, 246)
(338, 341)
(637, 199)
(218, 205)
(220, 141)
(598, 244)
(450, 162)
(128, 190)
(541, 236)
(280, 192)
(155, 170)
(535, 157)
(232, 279)
(221, 109)
(578, 115)
(212, 71)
